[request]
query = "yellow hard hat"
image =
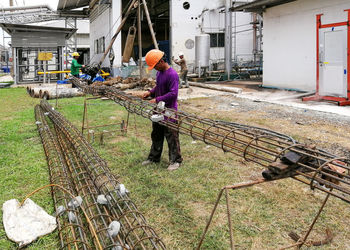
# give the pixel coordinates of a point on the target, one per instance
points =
(75, 54)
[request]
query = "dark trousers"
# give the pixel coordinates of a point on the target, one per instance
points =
(172, 137)
(77, 76)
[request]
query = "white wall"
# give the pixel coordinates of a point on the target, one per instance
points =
(185, 24)
(209, 20)
(83, 41)
(105, 24)
(82, 32)
(290, 41)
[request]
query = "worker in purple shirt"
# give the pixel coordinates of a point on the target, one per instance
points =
(166, 90)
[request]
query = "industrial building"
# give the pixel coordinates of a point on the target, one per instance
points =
(49, 31)
(27, 41)
(299, 56)
(175, 23)
(81, 38)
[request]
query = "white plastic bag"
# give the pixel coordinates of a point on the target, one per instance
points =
(25, 224)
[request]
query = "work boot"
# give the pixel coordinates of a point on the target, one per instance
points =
(146, 162)
(173, 166)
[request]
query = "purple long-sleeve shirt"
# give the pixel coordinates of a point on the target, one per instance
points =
(167, 88)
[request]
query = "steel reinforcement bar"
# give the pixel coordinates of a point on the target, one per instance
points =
(134, 232)
(281, 155)
(73, 235)
(97, 213)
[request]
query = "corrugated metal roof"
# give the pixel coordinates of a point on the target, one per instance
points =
(10, 28)
(72, 4)
(259, 5)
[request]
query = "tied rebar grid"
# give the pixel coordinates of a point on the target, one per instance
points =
(135, 231)
(73, 235)
(317, 168)
(97, 213)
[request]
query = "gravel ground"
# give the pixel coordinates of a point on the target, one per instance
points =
(305, 116)
(328, 131)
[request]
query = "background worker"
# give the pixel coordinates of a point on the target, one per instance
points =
(75, 66)
(183, 72)
(166, 90)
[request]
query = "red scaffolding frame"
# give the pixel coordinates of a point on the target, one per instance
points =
(342, 101)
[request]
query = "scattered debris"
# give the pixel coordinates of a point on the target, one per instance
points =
(214, 87)
(328, 239)
(128, 83)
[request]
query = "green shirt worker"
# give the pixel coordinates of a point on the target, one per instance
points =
(75, 66)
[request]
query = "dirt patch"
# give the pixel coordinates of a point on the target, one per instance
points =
(201, 212)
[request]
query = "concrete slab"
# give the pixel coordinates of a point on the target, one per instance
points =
(252, 91)
(196, 92)
(293, 99)
(6, 78)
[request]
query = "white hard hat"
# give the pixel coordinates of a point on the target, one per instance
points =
(181, 53)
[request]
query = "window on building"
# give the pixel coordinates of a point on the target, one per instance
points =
(217, 40)
(96, 46)
(101, 44)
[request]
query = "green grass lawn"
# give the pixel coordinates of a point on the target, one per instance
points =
(177, 204)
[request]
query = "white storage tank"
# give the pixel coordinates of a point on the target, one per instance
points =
(202, 46)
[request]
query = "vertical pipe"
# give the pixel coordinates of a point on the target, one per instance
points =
(66, 43)
(3, 40)
(139, 36)
(14, 65)
(75, 35)
(318, 24)
(44, 62)
(348, 55)
(235, 39)
(150, 24)
(255, 47)
(260, 43)
(228, 39)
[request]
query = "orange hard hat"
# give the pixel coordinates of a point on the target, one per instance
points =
(152, 57)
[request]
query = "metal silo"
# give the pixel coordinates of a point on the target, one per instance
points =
(202, 46)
